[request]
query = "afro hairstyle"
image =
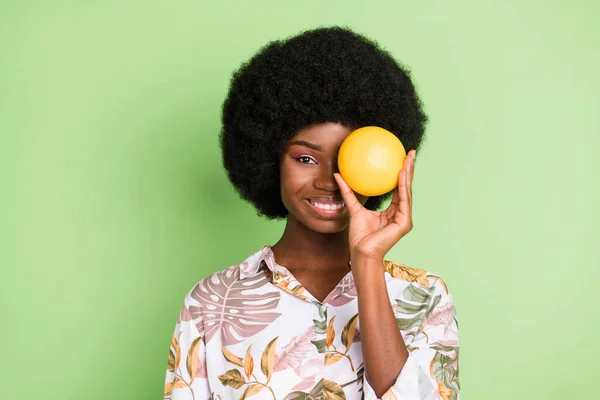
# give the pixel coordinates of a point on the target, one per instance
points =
(328, 74)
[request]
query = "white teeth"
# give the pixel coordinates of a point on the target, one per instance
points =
(329, 206)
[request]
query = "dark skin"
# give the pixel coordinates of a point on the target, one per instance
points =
(316, 248)
(308, 173)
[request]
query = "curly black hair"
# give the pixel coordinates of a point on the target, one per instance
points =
(329, 74)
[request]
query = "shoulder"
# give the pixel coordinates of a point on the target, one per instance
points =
(235, 279)
(420, 299)
(201, 290)
(214, 286)
(430, 282)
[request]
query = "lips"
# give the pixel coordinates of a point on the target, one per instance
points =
(327, 207)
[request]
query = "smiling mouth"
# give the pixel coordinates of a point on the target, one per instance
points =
(328, 209)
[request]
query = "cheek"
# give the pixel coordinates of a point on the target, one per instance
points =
(289, 182)
(293, 176)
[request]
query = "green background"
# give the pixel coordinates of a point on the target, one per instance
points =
(114, 202)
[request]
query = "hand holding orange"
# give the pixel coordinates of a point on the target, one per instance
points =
(370, 160)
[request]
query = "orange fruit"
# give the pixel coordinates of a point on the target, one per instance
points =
(370, 160)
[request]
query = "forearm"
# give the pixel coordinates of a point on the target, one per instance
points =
(384, 351)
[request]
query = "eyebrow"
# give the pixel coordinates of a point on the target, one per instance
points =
(307, 144)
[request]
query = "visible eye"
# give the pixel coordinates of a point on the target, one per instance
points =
(305, 160)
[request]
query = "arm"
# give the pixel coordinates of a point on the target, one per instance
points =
(384, 351)
(186, 368)
(432, 356)
(429, 359)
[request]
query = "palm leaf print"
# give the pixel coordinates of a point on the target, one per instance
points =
(343, 293)
(225, 306)
(323, 390)
(444, 368)
(415, 308)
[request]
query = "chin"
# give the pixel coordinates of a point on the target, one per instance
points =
(325, 226)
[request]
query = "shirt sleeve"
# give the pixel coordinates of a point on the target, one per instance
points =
(186, 376)
(431, 370)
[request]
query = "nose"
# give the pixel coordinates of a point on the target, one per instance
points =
(325, 180)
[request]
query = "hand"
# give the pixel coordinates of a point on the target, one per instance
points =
(371, 233)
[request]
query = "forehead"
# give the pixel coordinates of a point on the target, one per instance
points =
(328, 135)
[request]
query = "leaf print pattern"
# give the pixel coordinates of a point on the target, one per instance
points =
(267, 361)
(445, 375)
(173, 365)
(343, 293)
(444, 368)
(236, 380)
(252, 307)
(360, 376)
(290, 285)
(227, 307)
(349, 332)
(232, 378)
(201, 371)
(327, 346)
(294, 353)
(443, 315)
(232, 358)
(309, 373)
(248, 363)
(401, 271)
(414, 309)
(184, 315)
(324, 390)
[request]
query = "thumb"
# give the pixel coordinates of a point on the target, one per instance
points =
(352, 203)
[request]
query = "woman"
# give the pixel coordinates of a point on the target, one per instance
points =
(320, 314)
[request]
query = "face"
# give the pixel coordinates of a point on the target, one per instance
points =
(308, 189)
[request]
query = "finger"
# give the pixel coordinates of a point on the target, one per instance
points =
(403, 192)
(405, 167)
(396, 196)
(412, 170)
(390, 211)
(411, 175)
(350, 199)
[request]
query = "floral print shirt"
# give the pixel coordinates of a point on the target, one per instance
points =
(252, 331)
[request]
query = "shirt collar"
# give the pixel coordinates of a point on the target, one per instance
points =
(257, 261)
(280, 276)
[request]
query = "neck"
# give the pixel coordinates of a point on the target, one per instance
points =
(302, 248)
